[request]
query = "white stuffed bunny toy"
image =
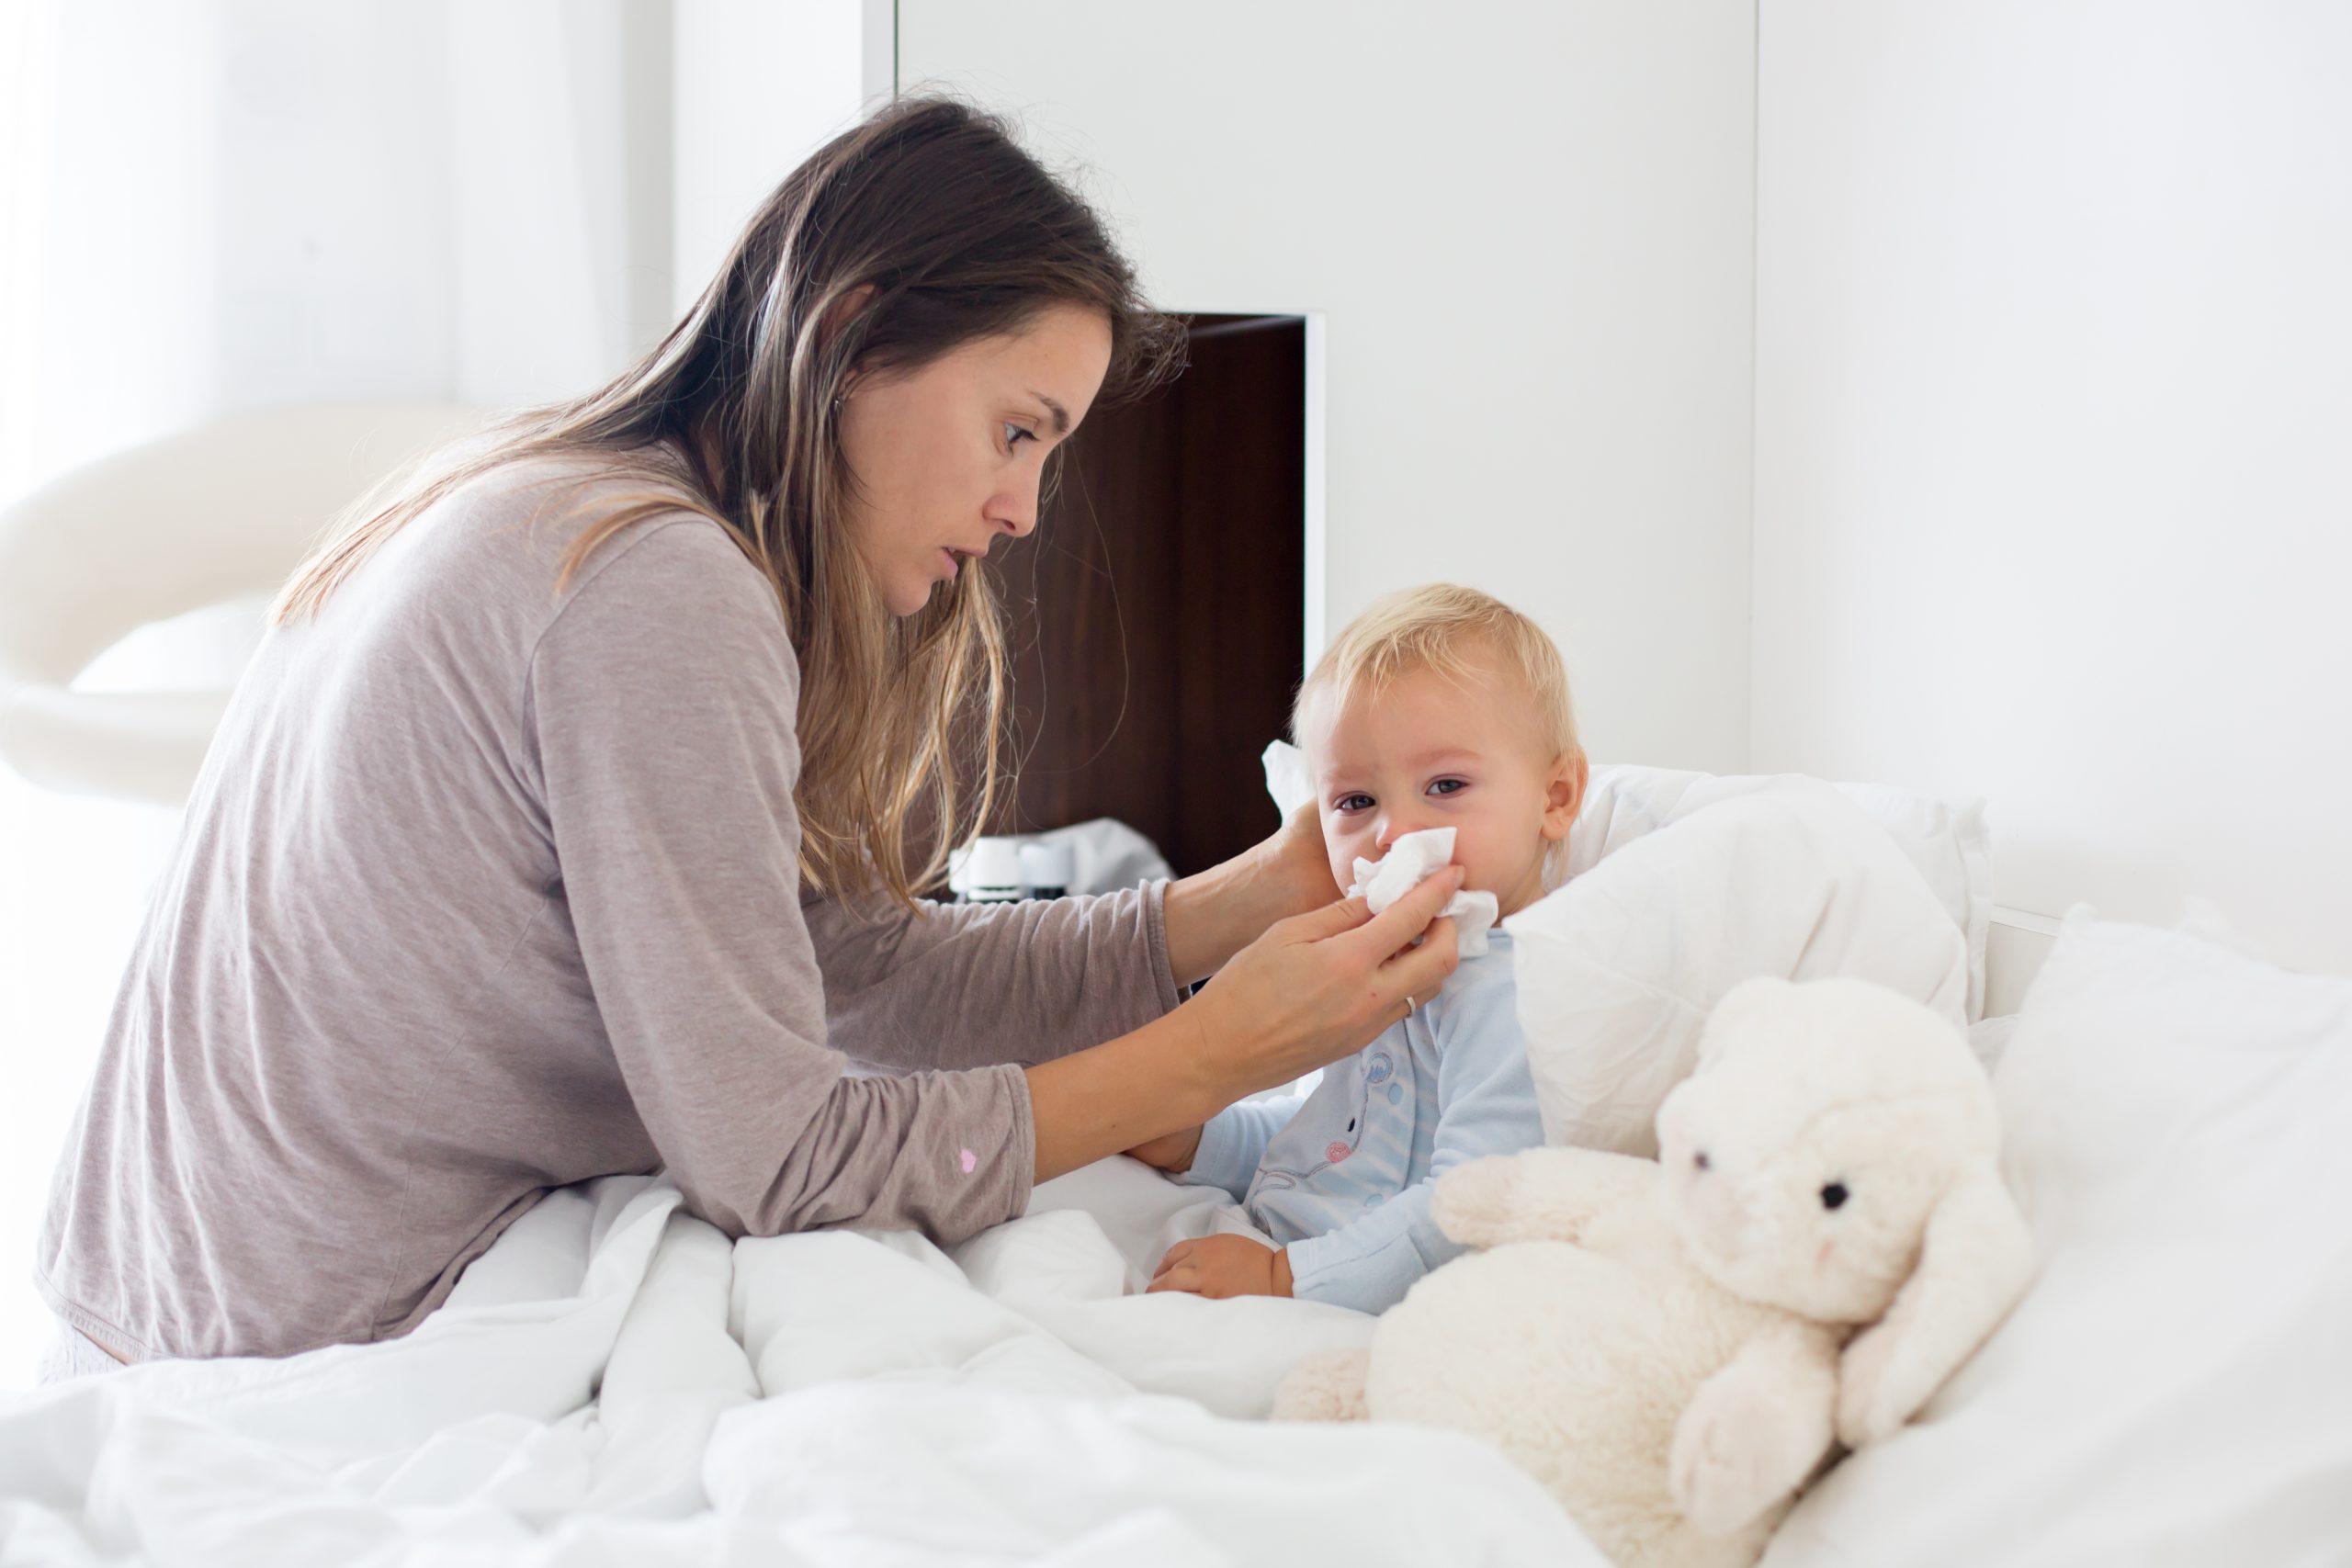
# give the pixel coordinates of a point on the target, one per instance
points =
(1671, 1346)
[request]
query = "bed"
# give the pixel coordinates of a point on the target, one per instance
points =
(615, 1381)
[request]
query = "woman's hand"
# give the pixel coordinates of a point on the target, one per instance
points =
(1214, 914)
(1297, 860)
(1222, 1266)
(1317, 987)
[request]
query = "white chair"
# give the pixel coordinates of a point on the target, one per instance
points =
(216, 514)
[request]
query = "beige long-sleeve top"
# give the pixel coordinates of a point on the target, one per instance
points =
(486, 888)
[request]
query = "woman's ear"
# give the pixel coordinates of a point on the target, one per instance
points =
(1563, 794)
(845, 308)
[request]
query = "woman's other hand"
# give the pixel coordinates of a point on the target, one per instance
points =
(1222, 1265)
(1297, 859)
(1212, 915)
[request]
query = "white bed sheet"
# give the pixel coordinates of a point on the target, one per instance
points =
(615, 1383)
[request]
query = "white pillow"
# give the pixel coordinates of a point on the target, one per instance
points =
(1945, 839)
(1618, 968)
(2173, 1388)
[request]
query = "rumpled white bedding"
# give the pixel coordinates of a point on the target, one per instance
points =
(615, 1383)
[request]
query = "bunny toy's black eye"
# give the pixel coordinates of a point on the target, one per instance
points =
(1833, 1195)
(1700, 1160)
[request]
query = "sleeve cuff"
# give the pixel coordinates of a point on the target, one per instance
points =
(1163, 973)
(1023, 1162)
(1323, 1269)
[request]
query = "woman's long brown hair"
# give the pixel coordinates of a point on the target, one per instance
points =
(922, 229)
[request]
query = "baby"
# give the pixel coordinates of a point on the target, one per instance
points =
(1439, 708)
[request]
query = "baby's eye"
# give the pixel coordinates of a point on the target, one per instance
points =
(1449, 786)
(1014, 435)
(1354, 803)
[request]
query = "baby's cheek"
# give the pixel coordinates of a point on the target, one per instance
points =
(1340, 846)
(1479, 848)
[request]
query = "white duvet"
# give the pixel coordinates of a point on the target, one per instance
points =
(615, 1383)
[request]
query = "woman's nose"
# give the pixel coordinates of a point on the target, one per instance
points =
(1015, 510)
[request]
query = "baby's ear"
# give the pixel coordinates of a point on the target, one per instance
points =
(1563, 794)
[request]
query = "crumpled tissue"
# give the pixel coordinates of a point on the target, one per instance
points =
(1412, 858)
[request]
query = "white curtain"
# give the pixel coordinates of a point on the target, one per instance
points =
(210, 205)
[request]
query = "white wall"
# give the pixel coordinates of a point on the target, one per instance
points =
(760, 85)
(2054, 462)
(1528, 227)
(556, 184)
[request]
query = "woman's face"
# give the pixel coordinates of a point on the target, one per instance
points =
(948, 456)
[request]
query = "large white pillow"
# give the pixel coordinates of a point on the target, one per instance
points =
(1618, 968)
(1946, 840)
(2175, 1387)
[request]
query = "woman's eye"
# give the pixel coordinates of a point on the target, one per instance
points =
(1449, 786)
(1014, 435)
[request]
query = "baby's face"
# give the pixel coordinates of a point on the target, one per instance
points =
(1432, 752)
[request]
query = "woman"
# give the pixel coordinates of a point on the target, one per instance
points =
(570, 819)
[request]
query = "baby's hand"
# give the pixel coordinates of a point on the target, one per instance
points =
(1173, 1153)
(1222, 1265)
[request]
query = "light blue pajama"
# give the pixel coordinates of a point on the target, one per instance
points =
(1342, 1176)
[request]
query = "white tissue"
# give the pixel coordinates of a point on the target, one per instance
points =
(1286, 777)
(1411, 859)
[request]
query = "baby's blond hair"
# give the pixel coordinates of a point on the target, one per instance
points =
(1445, 628)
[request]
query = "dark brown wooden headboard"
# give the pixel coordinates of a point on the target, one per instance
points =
(1157, 614)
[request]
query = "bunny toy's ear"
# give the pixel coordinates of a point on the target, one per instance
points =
(1974, 1262)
